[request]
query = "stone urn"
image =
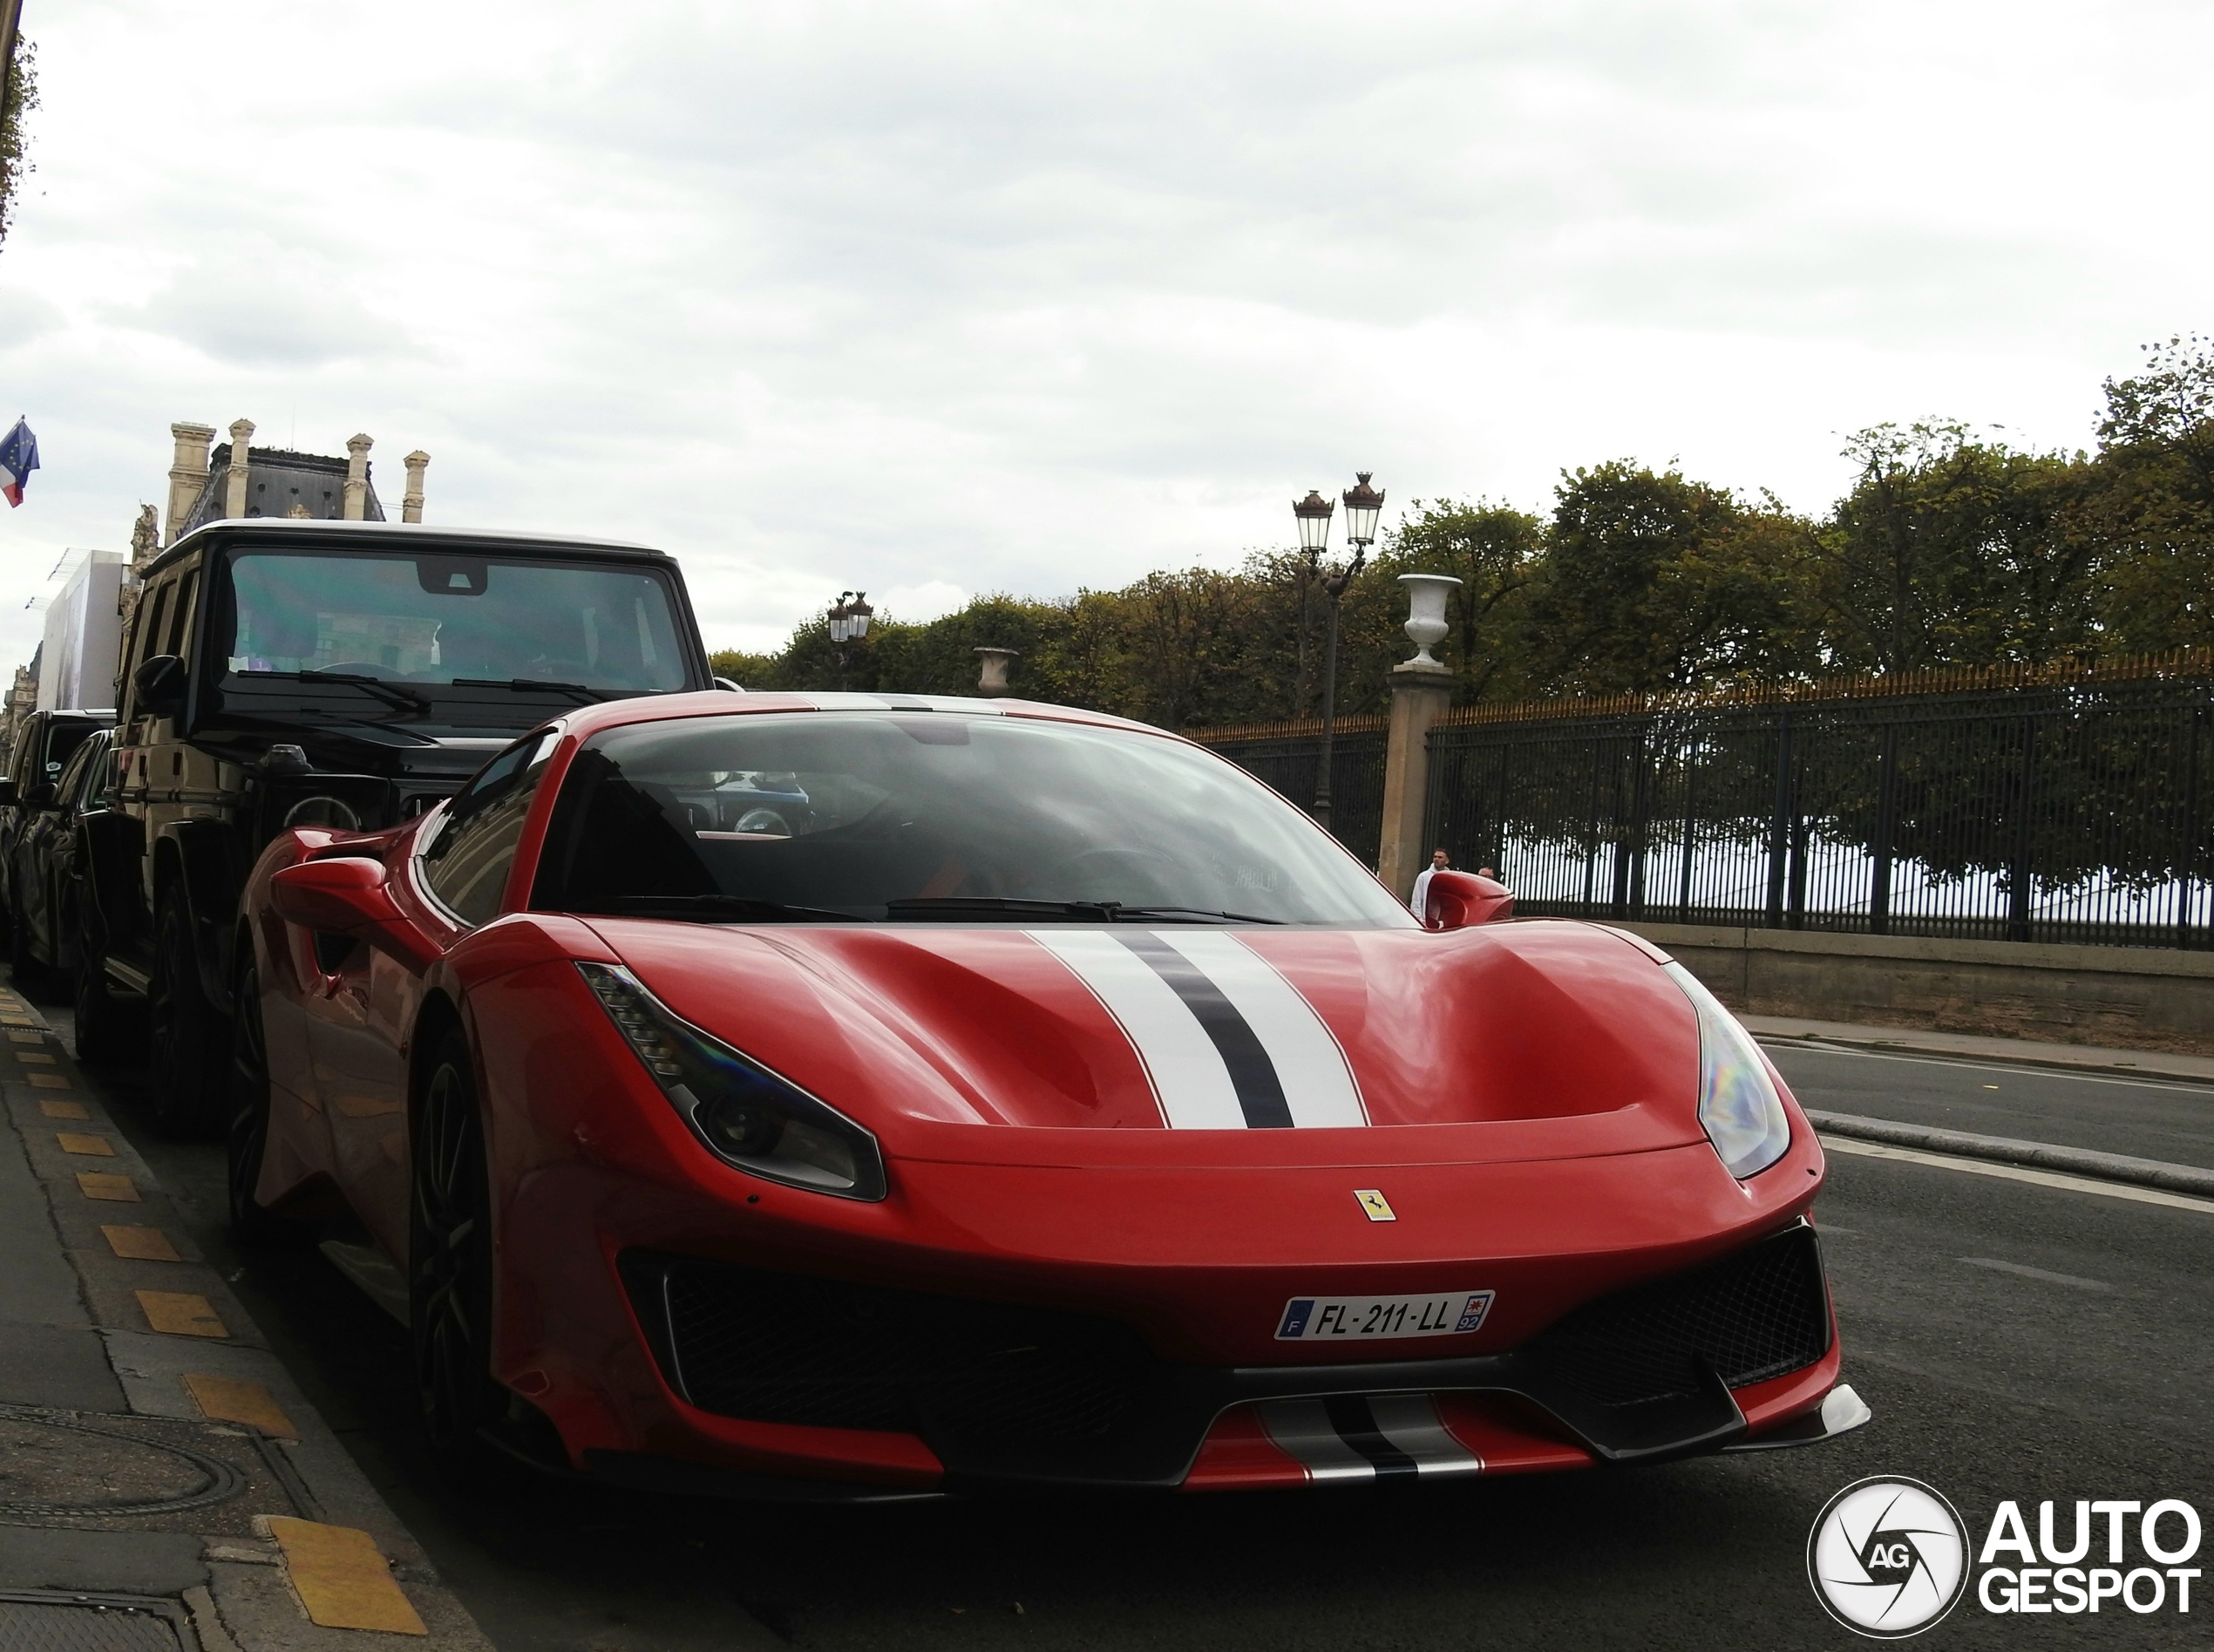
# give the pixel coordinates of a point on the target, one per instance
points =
(991, 678)
(1426, 622)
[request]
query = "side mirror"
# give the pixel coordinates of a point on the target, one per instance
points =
(158, 686)
(347, 896)
(41, 795)
(1460, 899)
(6, 794)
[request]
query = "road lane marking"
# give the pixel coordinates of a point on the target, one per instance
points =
(2013, 1071)
(48, 1080)
(232, 1399)
(35, 1057)
(96, 1185)
(86, 1146)
(180, 1313)
(2037, 1273)
(141, 1244)
(342, 1582)
(66, 1109)
(2017, 1173)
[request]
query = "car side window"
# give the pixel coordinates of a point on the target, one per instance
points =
(472, 847)
(73, 780)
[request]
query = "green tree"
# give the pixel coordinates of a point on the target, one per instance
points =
(21, 97)
(2151, 507)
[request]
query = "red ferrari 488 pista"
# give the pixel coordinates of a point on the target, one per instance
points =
(863, 1096)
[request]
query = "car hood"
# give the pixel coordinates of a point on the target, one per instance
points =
(1106, 1045)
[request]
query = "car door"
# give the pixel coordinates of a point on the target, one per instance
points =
(357, 1019)
(65, 858)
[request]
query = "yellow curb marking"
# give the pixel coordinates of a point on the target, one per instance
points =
(48, 1080)
(93, 1147)
(35, 1057)
(180, 1313)
(25, 1037)
(341, 1580)
(96, 1185)
(65, 1110)
(231, 1399)
(141, 1244)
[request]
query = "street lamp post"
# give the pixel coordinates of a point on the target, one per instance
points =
(849, 623)
(1364, 503)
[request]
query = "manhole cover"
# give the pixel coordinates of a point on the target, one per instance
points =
(59, 1464)
(44, 1623)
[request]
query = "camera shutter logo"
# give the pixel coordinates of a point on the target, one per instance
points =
(1888, 1557)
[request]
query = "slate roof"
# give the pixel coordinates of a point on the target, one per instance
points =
(275, 477)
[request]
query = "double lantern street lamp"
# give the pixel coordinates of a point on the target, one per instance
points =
(849, 623)
(1364, 503)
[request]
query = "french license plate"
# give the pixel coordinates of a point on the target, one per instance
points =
(1314, 1319)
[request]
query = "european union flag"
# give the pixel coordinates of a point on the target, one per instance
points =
(18, 458)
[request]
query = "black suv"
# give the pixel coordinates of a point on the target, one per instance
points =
(44, 744)
(282, 673)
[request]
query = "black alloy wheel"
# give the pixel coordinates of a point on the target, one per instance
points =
(190, 1052)
(252, 1223)
(450, 1273)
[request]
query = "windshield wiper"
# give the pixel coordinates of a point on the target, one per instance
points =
(390, 693)
(592, 695)
(958, 906)
(707, 905)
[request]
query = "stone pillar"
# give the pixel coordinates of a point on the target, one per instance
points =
(242, 454)
(187, 473)
(1420, 695)
(991, 676)
(357, 448)
(411, 505)
(1421, 691)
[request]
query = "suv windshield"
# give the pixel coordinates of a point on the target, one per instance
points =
(434, 619)
(934, 817)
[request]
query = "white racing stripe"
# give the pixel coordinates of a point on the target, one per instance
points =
(1318, 1085)
(1227, 1041)
(1189, 1079)
(1365, 1437)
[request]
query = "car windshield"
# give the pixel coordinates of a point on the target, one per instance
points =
(434, 619)
(934, 817)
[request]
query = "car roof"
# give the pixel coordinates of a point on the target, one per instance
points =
(721, 702)
(392, 536)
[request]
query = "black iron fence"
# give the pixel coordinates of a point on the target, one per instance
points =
(2067, 805)
(1292, 760)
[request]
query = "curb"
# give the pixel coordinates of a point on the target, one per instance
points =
(2005, 1150)
(180, 1360)
(2150, 1064)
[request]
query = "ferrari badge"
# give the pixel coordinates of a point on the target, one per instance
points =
(1375, 1204)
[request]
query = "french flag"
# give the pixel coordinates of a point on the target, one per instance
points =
(18, 458)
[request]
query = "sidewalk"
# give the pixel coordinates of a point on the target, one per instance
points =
(1909, 1041)
(164, 1485)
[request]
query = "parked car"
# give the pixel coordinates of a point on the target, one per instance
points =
(43, 745)
(284, 673)
(1046, 1102)
(49, 873)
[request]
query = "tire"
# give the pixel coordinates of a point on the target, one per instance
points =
(106, 1030)
(189, 1044)
(450, 1275)
(248, 1135)
(29, 977)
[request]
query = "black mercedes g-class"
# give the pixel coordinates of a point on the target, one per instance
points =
(280, 673)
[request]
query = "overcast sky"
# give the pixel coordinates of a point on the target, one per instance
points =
(941, 298)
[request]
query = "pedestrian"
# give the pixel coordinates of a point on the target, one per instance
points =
(1488, 871)
(1419, 901)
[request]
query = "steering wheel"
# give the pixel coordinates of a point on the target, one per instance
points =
(364, 668)
(1137, 873)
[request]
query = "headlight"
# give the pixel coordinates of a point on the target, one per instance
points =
(1738, 1106)
(744, 1113)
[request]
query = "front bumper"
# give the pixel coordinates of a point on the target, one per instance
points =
(1006, 1398)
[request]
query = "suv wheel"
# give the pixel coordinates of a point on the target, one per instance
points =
(190, 1051)
(252, 1223)
(450, 1268)
(105, 1030)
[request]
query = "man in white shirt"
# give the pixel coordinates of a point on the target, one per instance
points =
(1418, 903)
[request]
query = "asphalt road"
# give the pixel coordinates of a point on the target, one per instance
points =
(2014, 1340)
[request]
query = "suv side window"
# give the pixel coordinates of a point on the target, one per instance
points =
(466, 862)
(154, 610)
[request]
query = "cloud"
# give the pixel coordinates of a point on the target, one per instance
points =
(953, 295)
